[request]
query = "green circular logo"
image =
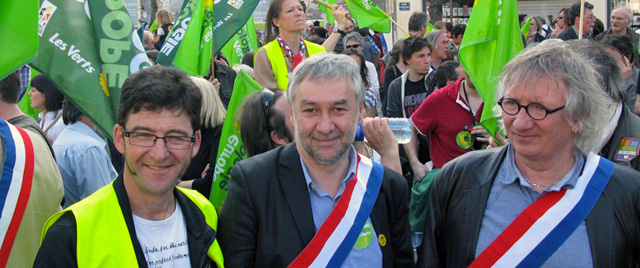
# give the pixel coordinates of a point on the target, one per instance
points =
(464, 139)
(365, 237)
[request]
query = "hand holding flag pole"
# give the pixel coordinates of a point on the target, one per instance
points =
(329, 6)
(348, 16)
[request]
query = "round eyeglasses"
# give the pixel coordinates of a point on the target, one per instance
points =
(535, 110)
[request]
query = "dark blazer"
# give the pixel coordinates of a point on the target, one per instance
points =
(628, 126)
(459, 195)
(266, 220)
(568, 34)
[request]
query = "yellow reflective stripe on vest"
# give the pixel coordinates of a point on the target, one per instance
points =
(277, 60)
(103, 239)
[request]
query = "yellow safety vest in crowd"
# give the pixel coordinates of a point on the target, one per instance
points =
(103, 239)
(279, 66)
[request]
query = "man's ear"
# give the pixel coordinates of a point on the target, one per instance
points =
(196, 144)
(118, 138)
(277, 139)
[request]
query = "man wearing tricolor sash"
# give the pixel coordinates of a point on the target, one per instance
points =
(316, 202)
(30, 191)
(544, 200)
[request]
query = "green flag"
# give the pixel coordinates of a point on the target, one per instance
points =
(327, 11)
(244, 41)
(188, 45)
(492, 39)
(229, 17)
(87, 49)
(230, 149)
(525, 28)
(154, 26)
(430, 27)
(368, 15)
(19, 29)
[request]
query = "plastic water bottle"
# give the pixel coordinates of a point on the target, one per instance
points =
(401, 128)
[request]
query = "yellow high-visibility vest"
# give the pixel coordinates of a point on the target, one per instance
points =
(103, 239)
(277, 59)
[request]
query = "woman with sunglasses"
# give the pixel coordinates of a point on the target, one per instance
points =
(264, 121)
(562, 23)
(285, 47)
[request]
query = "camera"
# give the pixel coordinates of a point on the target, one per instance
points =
(477, 145)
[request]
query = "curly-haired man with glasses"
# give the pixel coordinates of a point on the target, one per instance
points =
(142, 218)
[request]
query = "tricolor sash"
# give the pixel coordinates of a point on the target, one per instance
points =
(547, 223)
(15, 184)
(338, 234)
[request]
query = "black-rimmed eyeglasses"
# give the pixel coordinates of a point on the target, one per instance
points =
(535, 110)
(148, 140)
(267, 101)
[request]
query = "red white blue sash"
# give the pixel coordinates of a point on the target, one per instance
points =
(338, 234)
(15, 184)
(547, 223)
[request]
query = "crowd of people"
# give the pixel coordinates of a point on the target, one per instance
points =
(558, 187)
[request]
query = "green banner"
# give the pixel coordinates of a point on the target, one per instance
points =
(231, 150)
(525, 28)
(87, 49)
(430, 27)
(19, 28)
(154, 26)
(492, 38)
(328, 11)
(368, 15)
(244, 41)
(229, 17)
(188, 45)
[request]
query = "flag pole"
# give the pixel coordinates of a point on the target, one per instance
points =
(329, 6)
(581, 19)
(390, 18)
(399, 27)
(306, 13)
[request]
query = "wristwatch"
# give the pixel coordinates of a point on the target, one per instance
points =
(341, 32)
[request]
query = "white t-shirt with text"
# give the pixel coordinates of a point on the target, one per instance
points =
(164, 243)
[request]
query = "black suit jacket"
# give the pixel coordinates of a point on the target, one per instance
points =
(568, 34)
(266, 220)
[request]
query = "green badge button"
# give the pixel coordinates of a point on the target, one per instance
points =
(464, 139)
(364, 240)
